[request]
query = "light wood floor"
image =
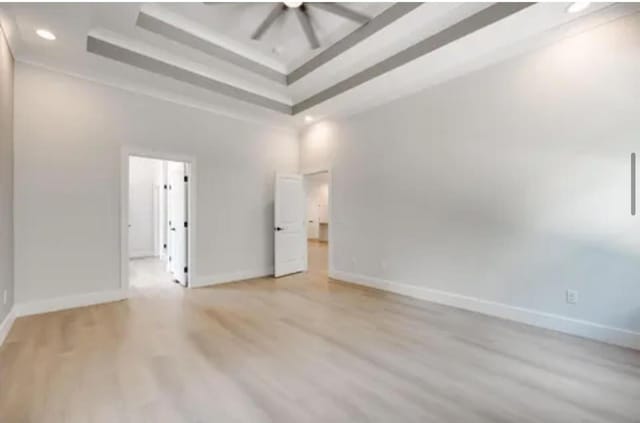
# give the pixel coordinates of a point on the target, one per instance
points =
(304, 349)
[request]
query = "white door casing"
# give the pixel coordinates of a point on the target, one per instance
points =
(290, 237)
(128, 151)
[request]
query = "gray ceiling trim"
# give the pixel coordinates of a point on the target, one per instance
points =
(124, 55)
(174, 33)
(384, 19)
(465, 27)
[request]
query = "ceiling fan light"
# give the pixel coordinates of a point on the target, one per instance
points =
(293, 4)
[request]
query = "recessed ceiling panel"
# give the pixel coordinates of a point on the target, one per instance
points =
(284, 41)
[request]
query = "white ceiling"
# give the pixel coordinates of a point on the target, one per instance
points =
(231, 25)
(284, 44)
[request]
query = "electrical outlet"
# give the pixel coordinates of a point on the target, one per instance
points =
(572, 296)
(4, 297)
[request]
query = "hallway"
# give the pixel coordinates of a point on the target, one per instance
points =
(149, 272)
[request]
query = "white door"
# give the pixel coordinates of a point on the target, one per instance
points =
(178, 221)
(289, 228)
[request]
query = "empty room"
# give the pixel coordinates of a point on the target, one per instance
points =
(319, 212)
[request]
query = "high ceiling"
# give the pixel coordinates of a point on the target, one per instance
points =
(203, 55)
(283, 45)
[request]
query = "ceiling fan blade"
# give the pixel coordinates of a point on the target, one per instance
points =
(305, 22)
(270, 19)
(340, 10)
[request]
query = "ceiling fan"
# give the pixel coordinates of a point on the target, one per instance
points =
(301, 9)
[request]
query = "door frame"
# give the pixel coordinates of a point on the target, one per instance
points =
(330, 211)
(133, 151)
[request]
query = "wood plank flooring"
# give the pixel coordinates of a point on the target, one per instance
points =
(304, 349)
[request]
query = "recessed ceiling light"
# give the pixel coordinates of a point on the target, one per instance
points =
(578, 6)
(47, 35)
(308, 119)
(293, 4)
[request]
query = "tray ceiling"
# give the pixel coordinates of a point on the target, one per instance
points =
(203, 54)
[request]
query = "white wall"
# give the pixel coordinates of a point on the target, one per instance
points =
(6, 178)
(509, 185)
(67, 182)
(317, 192)
(145, 176)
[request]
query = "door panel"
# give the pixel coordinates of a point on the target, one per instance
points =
(289, 225)
(178, 232)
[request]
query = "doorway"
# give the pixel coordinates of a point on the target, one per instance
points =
(157, 205)
(317, 223)
(302, 231)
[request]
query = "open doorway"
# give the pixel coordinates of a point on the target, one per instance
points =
(317, 223)
(301, 223)
(157, 222)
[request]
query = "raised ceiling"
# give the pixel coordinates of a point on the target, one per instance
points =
(203, 54)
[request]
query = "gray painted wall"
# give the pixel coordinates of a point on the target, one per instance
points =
(67, 182)
(6, 177)
(510, 184)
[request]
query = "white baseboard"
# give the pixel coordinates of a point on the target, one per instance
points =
(583, 328)
(6, 324)
(71, 301)
(231, 277)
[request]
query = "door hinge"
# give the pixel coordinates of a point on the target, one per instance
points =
(186, 270)
(186, 224)
(170, 258)
(186, 179)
